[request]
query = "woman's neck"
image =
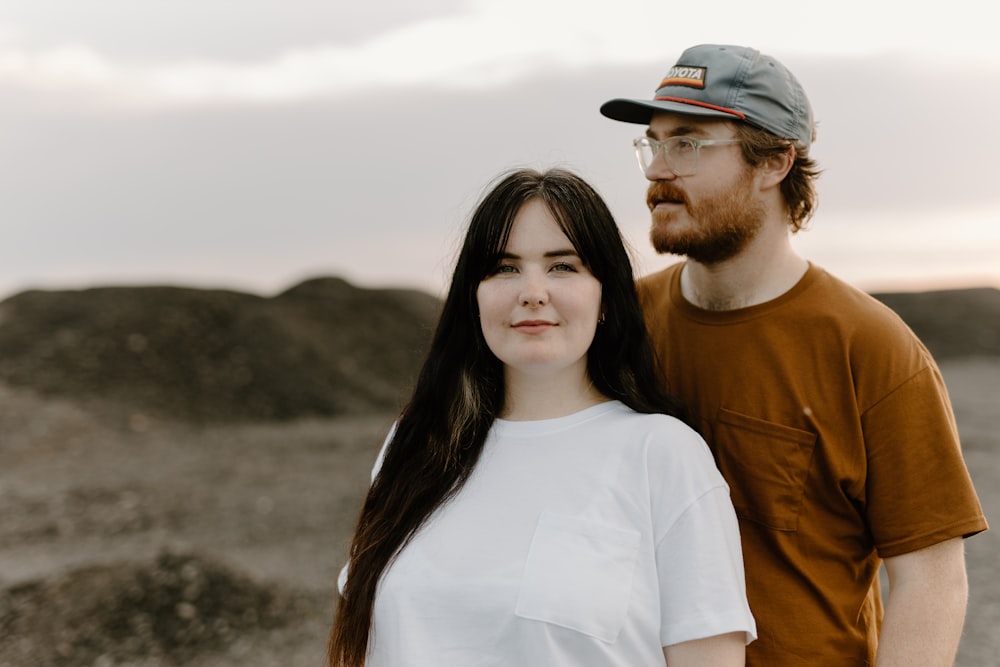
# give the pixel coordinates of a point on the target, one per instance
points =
(530, 397)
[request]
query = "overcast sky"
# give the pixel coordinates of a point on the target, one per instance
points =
(250, 144)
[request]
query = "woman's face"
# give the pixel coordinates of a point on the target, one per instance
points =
(540, 306)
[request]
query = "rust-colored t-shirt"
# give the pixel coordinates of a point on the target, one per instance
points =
(831, 423)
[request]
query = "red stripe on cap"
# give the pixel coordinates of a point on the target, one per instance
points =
(683, 100)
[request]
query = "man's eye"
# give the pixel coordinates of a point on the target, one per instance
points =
(685, 145)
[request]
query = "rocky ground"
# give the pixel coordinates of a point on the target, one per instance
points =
(127, 541)
(139, 543)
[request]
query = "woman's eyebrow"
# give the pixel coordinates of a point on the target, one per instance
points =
(568, 252)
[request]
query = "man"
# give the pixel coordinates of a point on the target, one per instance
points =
(826, 415)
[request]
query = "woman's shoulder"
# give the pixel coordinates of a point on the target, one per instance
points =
(665, 435)
(675, 460)
(655, 422)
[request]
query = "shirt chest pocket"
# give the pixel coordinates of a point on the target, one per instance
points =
(578, 575)
(766, 466)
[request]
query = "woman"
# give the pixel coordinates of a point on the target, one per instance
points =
(538, 502)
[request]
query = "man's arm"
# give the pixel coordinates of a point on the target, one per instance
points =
(925, 609)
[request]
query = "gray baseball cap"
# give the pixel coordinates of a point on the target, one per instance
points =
(723, 81)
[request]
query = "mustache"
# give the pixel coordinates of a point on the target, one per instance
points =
(664, 191)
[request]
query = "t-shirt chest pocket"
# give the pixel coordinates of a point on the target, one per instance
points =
(766, 466)
(578, 575)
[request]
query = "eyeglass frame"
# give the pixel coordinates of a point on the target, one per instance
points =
(657, 147)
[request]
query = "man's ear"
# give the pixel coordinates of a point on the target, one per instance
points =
(774, 169)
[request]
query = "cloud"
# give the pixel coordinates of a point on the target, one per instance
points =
(458, 52)
(252, 164)
(479, 44)
(66, 66)
(474, 48)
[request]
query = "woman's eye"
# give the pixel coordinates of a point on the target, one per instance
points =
(564, 267)
(504, 268)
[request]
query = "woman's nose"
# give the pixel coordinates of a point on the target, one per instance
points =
(532, 300)
(533, 294)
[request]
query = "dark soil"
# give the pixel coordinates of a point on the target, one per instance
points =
(322, 348)
(139, 529)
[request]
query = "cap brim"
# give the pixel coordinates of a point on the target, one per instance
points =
(641, 111)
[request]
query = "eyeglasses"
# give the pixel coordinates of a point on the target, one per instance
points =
(679, 153)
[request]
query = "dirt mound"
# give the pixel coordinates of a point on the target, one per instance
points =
(173, 609)
(322, 348)
(952, 323)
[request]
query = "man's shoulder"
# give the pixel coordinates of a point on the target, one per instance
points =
(662, 274)
(655, 293)
(842, 300)
(659, 282)
(873, 331)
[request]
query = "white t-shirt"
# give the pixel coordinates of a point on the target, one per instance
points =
(591, 539)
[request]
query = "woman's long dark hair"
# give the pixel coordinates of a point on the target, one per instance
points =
(460, 391)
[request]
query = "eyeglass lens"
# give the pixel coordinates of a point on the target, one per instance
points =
(679, 153)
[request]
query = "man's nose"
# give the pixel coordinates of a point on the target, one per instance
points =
(658, 169)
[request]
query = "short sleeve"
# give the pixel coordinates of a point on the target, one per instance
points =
(699, 557)
(919, 490)
(700, 565)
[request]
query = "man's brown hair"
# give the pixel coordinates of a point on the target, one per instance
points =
(799, 186)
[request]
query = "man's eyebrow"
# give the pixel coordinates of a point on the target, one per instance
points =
(680, 131)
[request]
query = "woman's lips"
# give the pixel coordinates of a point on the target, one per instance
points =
(533, 326)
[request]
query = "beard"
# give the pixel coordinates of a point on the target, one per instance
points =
(725, 222)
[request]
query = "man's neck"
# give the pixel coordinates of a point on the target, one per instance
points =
(764, 270)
